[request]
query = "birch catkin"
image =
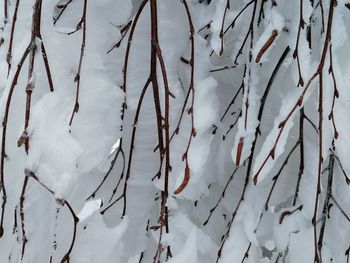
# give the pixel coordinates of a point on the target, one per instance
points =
(267, 45)
(184, 182)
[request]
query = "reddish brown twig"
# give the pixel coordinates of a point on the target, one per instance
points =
(9, 52)
(296, 49)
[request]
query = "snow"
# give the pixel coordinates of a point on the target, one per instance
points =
(89, 208)
(73, 168)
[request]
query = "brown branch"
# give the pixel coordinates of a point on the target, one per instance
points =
(335, 91)
(296, 49)
(157, 53)
(66, 257)
(299, 102)
(4, 125)
(62, 202)
(24, 238)
(9, 52)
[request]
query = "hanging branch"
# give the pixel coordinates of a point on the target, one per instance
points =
(313, 125)
(246, 254)
(335, 92)
(320, 110)
(132, 146)
(191, 109)
(211, 211)
(3, 141)
(299, 102)
(249, 32)
(296, 49)
(5, 12)
(221, 35)
(62, 8)
(123, 31)
(274, 179)
(61, 202)
(24, 238)
(341, 167)
(301, 154)
(9, 52)
(251, 156)
(191, 89)
(325, 211)
(156, 53)
(320, 4)
(341, 209)
(239, 115)
(261, 11)
(36, 36)
(30, 82)
(232, 25)
(80, 25)
(120, 150)
(232, 102)
(66, 257)
(114, 160)
(30, 50)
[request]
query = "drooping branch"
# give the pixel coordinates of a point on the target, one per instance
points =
(9, 52)
(251, 156)
(61, 202)
(81, 25)
(325, 211)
